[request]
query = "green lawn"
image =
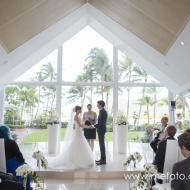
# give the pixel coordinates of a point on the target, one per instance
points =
(42, 136)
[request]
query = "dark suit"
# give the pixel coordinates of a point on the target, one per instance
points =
(160, 154)
(181, 168)
(101, 130)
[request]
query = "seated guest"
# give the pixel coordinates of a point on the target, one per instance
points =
(182, 168)
(14, 157)
(161, 135)
(160, 154)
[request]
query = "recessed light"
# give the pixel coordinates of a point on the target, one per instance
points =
(182, 43)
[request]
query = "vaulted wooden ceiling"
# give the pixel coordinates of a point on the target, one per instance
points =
(20, 20)
(157, 22)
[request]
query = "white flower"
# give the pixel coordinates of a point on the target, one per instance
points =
(137, 156)
(150, 169)
(38, 155)
(23, 170)
(133, 157)
(145, 176)
(121, 118)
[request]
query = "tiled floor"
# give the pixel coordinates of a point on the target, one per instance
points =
(114, 163)
(86, 185)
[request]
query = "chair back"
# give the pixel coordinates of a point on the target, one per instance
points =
(171, 156)
(2, 156)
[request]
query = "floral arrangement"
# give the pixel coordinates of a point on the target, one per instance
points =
(41, 160)
(133, 158)
(145, 176)
(121, 119)
(25, 171)
(53, 118)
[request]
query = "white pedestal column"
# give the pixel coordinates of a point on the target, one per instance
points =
(122, 138)
(53, 138)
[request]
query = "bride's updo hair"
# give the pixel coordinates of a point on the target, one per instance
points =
(77, 108)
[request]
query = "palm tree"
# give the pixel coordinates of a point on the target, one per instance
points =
(125, 71)
(147, 101)
(31, 100)
(48, 73)
(153, 91)
(39, 77)
(140, 74)
(181, 103)
(100, 70)
(78, 92)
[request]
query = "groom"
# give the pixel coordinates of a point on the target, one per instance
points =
(101, 130)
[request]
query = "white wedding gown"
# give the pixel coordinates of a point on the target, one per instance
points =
(76, 155)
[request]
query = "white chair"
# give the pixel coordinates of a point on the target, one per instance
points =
(2, 156)
(171, 157)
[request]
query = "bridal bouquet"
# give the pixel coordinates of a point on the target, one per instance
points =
(135, 157)
(41, 160)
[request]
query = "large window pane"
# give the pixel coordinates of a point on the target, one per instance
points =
(182, 111)
(129, 71)
(29, 106)
(44, 70)
(87, 57)
(143, 107)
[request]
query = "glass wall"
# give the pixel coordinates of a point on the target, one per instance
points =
(29, 106)
(87, 76)
(91, 57)
(182, 112)
(129, 71)
(44, 70)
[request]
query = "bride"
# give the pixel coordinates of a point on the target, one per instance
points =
(76, 152)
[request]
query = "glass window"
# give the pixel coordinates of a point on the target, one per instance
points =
(44, 70)
(129, 71)
(87, 56)
(29, 106)
(143, 108)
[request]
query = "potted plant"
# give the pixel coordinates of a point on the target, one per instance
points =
(122, 133)
(53, 125)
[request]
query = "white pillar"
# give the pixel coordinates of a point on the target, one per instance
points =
(59, 82)
(115, 97)
(57, 132)
(171, 111)
(2, 106)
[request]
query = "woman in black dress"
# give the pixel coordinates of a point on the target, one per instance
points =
(90, 118)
